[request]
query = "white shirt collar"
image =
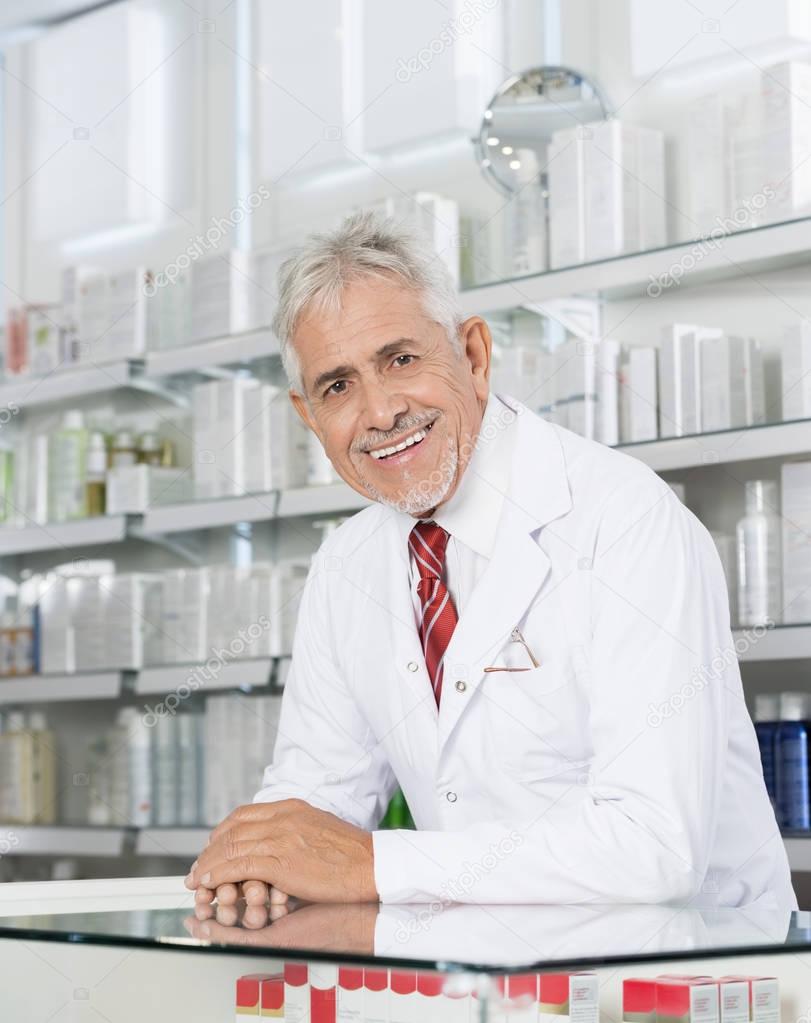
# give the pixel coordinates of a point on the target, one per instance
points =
(472, 513)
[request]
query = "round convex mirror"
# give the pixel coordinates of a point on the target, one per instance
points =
(522, 116)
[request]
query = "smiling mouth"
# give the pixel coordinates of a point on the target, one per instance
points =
(380, 454)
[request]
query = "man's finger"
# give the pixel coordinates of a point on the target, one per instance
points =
(203, 896)
(277, 897)
(227, 894)
(226, 851)
(246, 868)
(255, 893)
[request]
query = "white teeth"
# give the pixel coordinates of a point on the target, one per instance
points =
(415, 438)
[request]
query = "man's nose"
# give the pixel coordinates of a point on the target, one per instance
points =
(383, 406)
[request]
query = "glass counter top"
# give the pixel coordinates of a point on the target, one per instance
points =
(444, 936)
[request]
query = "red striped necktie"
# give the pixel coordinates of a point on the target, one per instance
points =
(427, 544)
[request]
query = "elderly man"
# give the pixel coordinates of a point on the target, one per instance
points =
(527, 632)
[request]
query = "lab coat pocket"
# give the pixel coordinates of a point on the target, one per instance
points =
(538, 720)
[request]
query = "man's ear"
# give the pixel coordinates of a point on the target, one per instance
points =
(303, 411)
(477, 342)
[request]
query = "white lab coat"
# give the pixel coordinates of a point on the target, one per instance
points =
(625, 768)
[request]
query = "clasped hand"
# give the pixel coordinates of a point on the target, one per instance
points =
(267, 851)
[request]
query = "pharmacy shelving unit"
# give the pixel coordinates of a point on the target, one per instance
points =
(32, 689)
(736, 257)
(64, 385)
(760, 250)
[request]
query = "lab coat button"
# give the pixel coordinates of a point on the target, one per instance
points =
(412, 665)
(451, 797)
(461, 686)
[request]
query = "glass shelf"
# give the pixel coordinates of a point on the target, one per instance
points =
(764, 248)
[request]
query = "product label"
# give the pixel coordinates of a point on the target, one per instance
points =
(765, 1001)
(583, 999)
(735, 1002)
(703, 1003)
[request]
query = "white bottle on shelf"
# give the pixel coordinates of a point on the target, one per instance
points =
(759, 561)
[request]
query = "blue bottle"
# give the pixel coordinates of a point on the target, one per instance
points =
(767, 716)
(792, 763)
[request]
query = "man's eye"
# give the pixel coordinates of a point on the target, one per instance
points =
(398, 357)
(335, 384)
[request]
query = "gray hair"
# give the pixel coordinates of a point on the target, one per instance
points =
(365, 245)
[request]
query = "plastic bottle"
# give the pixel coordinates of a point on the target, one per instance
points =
(67, 469)
(139, 762)
(759, 567)
(149, 448)
(96, 473)
(767, 716)
(123, 450)
(793, 796)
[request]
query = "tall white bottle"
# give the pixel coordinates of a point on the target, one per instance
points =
(759, 559)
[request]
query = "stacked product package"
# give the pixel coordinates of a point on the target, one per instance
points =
(327, 993)
(606, 192)
(101, 619)
(701, 999)
(248, 438)
(753, 145)
(698, 379)
(164, 764)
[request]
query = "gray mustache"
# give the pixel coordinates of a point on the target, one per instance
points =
(404, 425)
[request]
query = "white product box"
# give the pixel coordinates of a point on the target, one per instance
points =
(114, 315)
(625, 189)
(518, 374)
(568, 998)
(639, 395)
(189, 762)
(57, 635)
(435, 217)
(46, 341)
(124, 614)
(210, 297)
(795, 480)
(609, 358)
(275, 441)
(296, 993)
(567, 198)
(732, 384)
(762, 998)
(218, 421)
(185, 618)
(164, 771)
(90, 629)
(680, 378)
(376, 995)
(286, 585)
(576, 386)
(795, 368)
(525, 224)
(786, 140)
(320, 470)
(132, 489)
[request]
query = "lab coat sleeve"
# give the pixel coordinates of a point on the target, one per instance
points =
(662, 668)
(325, 752)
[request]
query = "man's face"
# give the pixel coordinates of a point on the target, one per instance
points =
(379, 374)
